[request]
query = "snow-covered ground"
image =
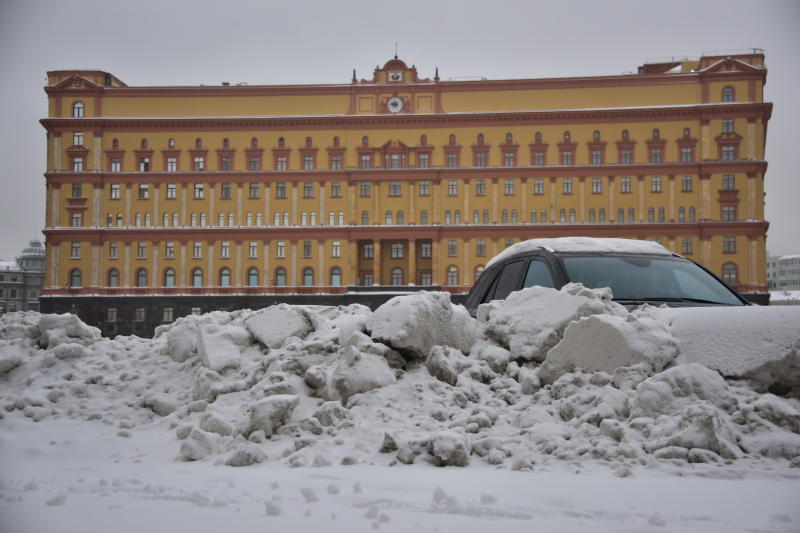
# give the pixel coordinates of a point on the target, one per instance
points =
(785, 297)
(554, 410)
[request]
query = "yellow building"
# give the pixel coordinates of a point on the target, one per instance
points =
(167, 200)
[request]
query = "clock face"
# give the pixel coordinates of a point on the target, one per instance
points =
(395, 104)
(395, 76)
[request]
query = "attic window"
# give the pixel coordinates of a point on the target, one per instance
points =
(567, 136)
(77, 110)
(309, 141)
(423, 140)
(596, 135)
(365, 141)
(480, 138)
(144, 143)
(198, 143)
(728, 95)
(253, 142)
(336, 141)
(171, 143)
(226, 143)
(452, 139)
(537, 136)
(281, 141)
(625, 135)
(656, 134)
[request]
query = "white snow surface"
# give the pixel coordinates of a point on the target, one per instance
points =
(578, 416)
(582, 244)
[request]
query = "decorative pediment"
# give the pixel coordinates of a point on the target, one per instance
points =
(730, 64)
(77, 82)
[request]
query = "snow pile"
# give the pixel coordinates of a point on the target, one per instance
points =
(544, 378)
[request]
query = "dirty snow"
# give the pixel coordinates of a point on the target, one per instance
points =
(558, 409)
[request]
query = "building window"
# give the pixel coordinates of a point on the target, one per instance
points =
(423, 218)
(452, 160)
(77, 110)
(336, 189)
(169, 277)
(111, 314)
(280, 190)
(728, 94)
(655, 155)
(424, 160)
(729, 182)
(169, 250)
(280, 163)
(336, 162)
(597, 157)
(397, 276)
(727, 125)
(308, 162)
(197, 277)
(397, 250)
(77, 164)
(631, 215)
(77, 138)
(538, 186)
(76, 220)
(626, 156)
(661, 215)
(567, 186)
(425, 250)
(597, 185)
(388, 218)
(168, 314)
(336, 249)
(225, 277)
(308, 277)
(452, 276)
(686, 184)
(225, 164)
(365, 218)
(254, 164)
(480, 159)
(480, 187)
(252, 277)
(225, 250)
(562, 215)
(113, 250)
(225, 192)
(424, 188)
(538, 159)
(368, 250)
(199, 191)
(394, 188)
(308, 190)
(197, 250)
(75, 251)
(687, 155)
(728, 213)
(625, 185)
(452, 248)
(566, 158)
(113, 278)
(116, 164)
(254, 191)
(280, 249)
(366, 161)
(480, 248)
(730, 274)
(141, 277)
(307, 249)
(452, 188)
(509, 159)
(508, 187)
(139, 314)
(729, 245)
(365, 189)
(602, 215)
(533, 216)
(571, 216)
(692, 217)
(503, 217)
(687, 246)
(655, 184)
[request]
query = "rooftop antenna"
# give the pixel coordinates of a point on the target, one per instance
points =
(395, 49)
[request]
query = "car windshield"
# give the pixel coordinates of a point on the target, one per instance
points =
(648, 278)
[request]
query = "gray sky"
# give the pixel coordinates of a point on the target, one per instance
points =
(147, 42)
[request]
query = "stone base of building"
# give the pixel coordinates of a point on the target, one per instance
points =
(141, 315)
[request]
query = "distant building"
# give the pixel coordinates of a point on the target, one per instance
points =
(783, 272)
(21, 282)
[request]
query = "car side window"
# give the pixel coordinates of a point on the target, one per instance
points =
(538, 274)
(509, 280)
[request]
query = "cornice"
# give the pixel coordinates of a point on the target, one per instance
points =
(565, 116)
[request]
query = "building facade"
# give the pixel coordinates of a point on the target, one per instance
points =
(168, 200)
(21, 282)
(783, 272)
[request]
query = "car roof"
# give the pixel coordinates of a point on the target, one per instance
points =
(581, 244)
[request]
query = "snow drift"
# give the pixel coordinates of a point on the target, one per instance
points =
(543, 377)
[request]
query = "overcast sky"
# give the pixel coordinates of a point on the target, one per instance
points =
(146, 42)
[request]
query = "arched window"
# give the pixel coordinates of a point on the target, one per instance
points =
(621, 215)
(514, 216)
(336, 277)
(230, 219)
(687, 132)
(141, 277)
(225, 277)
(226, 143)
(478, 271)
(308, 277)
(336, 141)
(169, 277)
(75, 278)
(533, 216)
(728, 94)
(656, 133)
(567, 136)
(252, 277)
(309, 141)
(401, 218)
(365, 141)
(341, 218)
(165, 220)
(681, 214)
(286, 219)
(222, 219)
(476, 216)
(203, 219)
(537, 136)
(456, 217)
(509, 138)
(113, 278)
(452, 139)
(447, 217)
(625, 135)
(423, 218)
(388, 220)
(280, 277)
(596, 135)
(452, 276)
(651, 214)
(485, 216)
(572, 216)
(562, 216)
(480, 138)
(115, 143)
(249, 219)
(77, 110)
(144, 143)
(365, 218)
(730, 274)
(423, 140)
(197, 277)
(504, 216)
(258, 219)
(692, 217)
(281, 141)
(661, 215)
(198, 143)
(397, 276)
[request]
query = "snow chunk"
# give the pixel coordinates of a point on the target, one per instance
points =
(414, 323)
(356, 372)
(273, 325)
(677, 387)
(531, 321)
(449, 449)
(182, 339)
(246, 454)
(10, 356)
(271, 413)
(70, 350)
(753, 342)
(219, 347)
(699, 425)
(446, 363)
(59, 329)
(607, 342)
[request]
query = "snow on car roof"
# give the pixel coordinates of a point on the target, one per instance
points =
(582, 244)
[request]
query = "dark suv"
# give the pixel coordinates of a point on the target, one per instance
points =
(636, 271)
